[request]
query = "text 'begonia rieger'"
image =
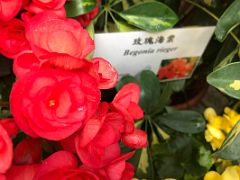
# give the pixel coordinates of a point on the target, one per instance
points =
(67, 131)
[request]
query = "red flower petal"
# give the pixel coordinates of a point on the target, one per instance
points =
(137, 139)
(130, 89)
(6, 151)
(92, 126)
(95, 157)
(24, 63)
(117, 122)
(129, 122)
(107, 74)
(123, 157)
(28, 151)
(128, 173)
(9, 9)
(105, 137)
(52, 4)
(43, 32)
(65, 61)
(135, 111)
(3, 177)
(24, 172)
(56, 162)
(10, 126)
(116, 170)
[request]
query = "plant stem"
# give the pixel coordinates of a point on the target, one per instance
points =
(96, 18)
(112, 17)
(106, 22)
(115, 3)
(113, 10)
(213, 16)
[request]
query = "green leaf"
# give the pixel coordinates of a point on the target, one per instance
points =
(205, 158)
(228, 21)
(230, 148)
(150, 167)
(124, 80)
(227, 59)
(134, 160)
(164, 97)
(79, 7)
(168, 167)
(150, 16)
(160, 132)
(190, 177)
(227, 79)
(224, 54)
(150, 91)
(183, 121)
(177, 85)
(143, 164)
(125, 4)
(123, 27)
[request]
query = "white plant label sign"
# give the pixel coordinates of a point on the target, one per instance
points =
(131, 52)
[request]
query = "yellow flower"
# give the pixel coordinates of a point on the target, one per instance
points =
(232, 116)
(214, 136)
(219, 126)
(230, 173)
(212, 175)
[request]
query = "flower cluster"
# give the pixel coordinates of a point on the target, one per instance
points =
(219, 126)
(230, 173)
(57, 97)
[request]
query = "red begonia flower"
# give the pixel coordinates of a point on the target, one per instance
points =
(136, 139)
(97, 157)
(34, 9)
(104, 72)
(23, 172)
(52, 4)
(38, 6)
(9, 9)
(99, 136)
(53, 104)
(43, 32)
(12, 39)
(126, 102)
(6, 151)
(24, 63)
(65, 61)
(92, 126)
(127, 94)
(63, 165)
(118, 169)
(117, 122)
(10, 126)
(28, 151)
(128, 172)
